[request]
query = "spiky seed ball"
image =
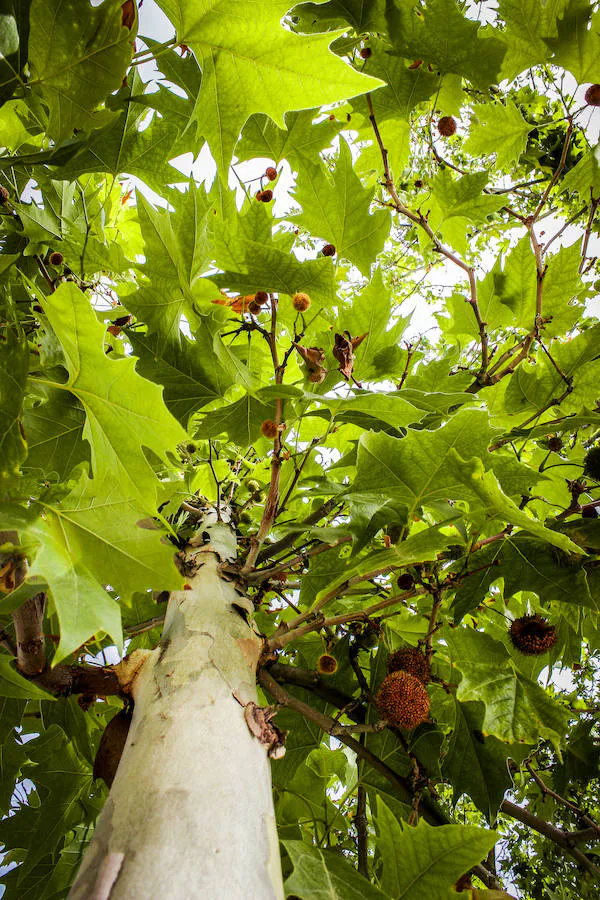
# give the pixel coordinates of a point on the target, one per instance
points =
(328, 250)
(418, 183)
(411, 660)
(266, 196)
(589, 512)
(591, 463)
(258, 194)
(592, 95)
(532, 635)
(366, 52)
(4, 195)
(402, 700)
(261, 297)
(300, 302)
(271, 173)
(327, 664)
(254, 307)
(555, 444)
(55, 258)
(405, 581)
(269, 428)
(447, 126)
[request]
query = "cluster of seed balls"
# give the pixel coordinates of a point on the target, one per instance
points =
(402, 699)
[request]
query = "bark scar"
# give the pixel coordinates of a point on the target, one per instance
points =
(258, 719)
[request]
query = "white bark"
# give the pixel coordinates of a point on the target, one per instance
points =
(190, 813)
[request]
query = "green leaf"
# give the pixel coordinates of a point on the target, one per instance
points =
(577, 46)
(255, 260)
(189, 371)
(14, 37)
(493, 121)
(477, 764)
(517, 709)
(371, 312)
(322, 16)
(526, 564)
(323, 875)
(265, 69)
(299, 142)
(125, 146)
(426, 467)
(15, 686)
(426, 861)
(337, 210)
(14, 365)
(62, 778)
(78, 55)
(81, 551)
(446, 39)
(124, 412)
(54, 432)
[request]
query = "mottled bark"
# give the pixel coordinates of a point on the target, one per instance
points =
(190, 812)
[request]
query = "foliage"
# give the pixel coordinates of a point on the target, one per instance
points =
(428, 485)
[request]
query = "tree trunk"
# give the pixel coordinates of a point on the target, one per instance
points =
(190, 813)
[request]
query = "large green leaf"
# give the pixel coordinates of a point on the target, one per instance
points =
(190, 371)
(14, 37)
(299, 143)
(447, 39)
(259, 69)
(78, 55)
(494, 120)
(15, 686)
(526, 564)
(14, 364)
(427, 467)
(124, 412)
(125, 146)
(426, 861)
(54, 431)
(337, 210)
(323, 875)
(477, 764)
(81, 551)
(517, 709)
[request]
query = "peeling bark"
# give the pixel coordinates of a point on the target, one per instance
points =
(190, 812)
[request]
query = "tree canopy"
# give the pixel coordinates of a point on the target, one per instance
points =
(364, 324)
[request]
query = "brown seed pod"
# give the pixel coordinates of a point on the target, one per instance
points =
(265, 196)
(328, 250)
(4, 195)
(405, 581)
(532, 635)
(555, 444)
(55, 258)
(254, 307)
(418, 183)
(271, 173)
(447, 126)
(592, 95)
(591, 463)
(261, 297)
(327, 664)
(402, 700)
(366, 52)
(269, 428)
(300, 302)
(411, 660)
